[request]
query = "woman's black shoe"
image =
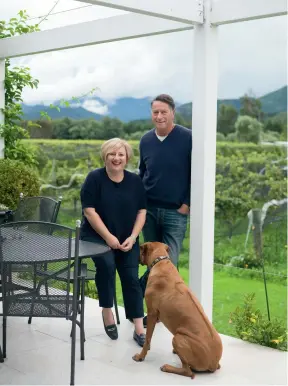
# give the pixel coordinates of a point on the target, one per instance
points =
(140, 339)
(111, 330)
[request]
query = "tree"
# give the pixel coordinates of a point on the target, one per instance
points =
(248, 129)
(61, 128)
(140, 125)
(16, 78)
(39, 129)
(181, 121)
(278, 123)
(251, 106)
(112, 127)
(86, 129)
(226, 119)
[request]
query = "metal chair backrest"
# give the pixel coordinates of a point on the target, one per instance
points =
(38, 208)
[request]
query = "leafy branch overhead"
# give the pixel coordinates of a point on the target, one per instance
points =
(16, 79)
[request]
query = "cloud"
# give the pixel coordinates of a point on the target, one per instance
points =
(252, 55)
(95, 107)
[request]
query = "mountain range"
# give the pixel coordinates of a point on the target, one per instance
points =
(273, 103)
(130, 109)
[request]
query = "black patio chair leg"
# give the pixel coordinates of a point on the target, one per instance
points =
(73, 345)
(78, 294)
(115, 305)
(80, 308)
(4, 335)
(9, 280)
(47, 294)
(82, 330)
(1, 356)
(34, 287)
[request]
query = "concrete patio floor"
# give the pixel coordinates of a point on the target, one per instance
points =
(40, 354)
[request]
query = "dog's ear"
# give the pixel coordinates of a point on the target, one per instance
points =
(166, 247)
(144, 248)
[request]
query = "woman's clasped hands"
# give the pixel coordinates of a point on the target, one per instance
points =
(114, 243)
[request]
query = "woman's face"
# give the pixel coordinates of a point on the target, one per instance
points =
(116, 159)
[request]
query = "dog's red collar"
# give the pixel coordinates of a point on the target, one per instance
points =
(159, 259)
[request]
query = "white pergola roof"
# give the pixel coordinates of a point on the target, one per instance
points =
(154, 17)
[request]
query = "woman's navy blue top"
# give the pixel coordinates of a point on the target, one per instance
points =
(117, 203)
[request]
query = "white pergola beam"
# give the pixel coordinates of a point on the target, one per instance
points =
(2, 103)
(234, 11)
(112, 29)
(187, 11)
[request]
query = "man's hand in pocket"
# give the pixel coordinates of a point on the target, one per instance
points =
(184, 209)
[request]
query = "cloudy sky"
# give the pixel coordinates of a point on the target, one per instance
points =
(252, 56)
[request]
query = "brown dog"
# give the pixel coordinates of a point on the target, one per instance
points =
(168, 298)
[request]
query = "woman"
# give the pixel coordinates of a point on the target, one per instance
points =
(114, 211)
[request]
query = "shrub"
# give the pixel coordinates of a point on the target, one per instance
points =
(246, 260)
(252, 326)
(270, 136)
(232, 137)
(248, 129)
(276, 124)
(16, 178)
(220, 137)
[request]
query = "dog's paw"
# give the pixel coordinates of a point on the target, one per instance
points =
(163, 368)
(138, 358)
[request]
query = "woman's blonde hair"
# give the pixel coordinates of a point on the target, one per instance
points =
(115, 144)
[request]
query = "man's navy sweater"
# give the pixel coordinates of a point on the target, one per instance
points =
(165, 167)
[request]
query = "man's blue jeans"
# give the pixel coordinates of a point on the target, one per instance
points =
(167, 226)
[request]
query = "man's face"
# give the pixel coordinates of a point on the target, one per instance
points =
(162, 116)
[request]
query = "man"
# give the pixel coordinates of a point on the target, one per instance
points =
(165, 169)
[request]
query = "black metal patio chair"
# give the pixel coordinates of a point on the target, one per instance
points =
(35, 208)
(32, 243)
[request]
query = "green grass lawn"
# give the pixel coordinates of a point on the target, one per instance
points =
(228, 294)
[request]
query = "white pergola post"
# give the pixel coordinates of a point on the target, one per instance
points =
(2, 102)
(204, 119)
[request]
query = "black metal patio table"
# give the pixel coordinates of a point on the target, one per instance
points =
(86, 249)
(33, 250)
